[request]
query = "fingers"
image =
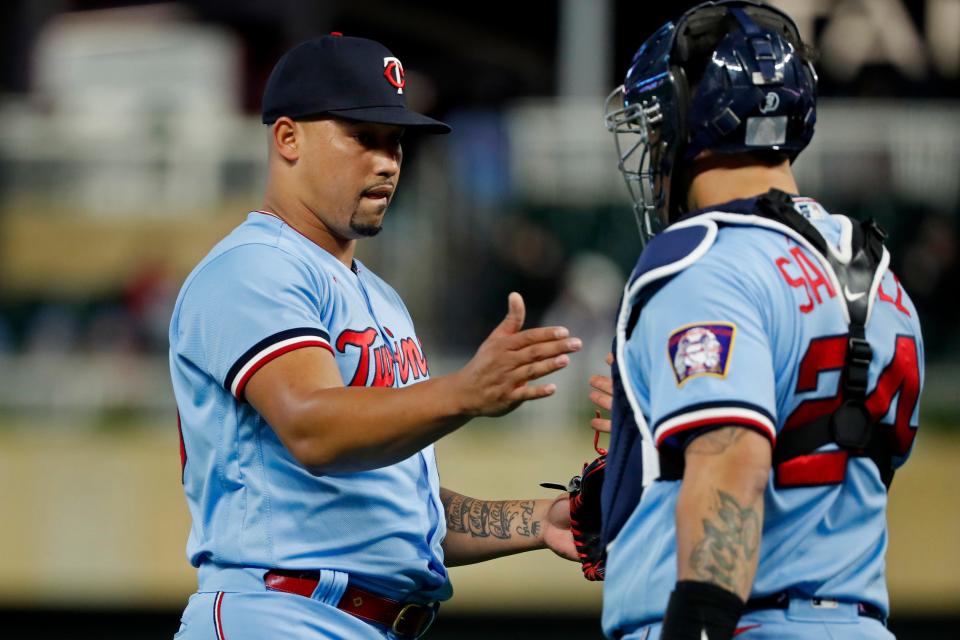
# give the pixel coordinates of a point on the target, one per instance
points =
(516, 312)
(600, 424)
(530, 337)
(533, 370)
(602, 397)
(603, 384)
(511, 357)
(544, 350)
(532, 392)
(535, 362)
(601, 400)
(609, 359)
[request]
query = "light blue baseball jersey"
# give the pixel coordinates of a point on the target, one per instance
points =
(746, 325)
(261, 292)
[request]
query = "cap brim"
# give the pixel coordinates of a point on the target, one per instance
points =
(392, 115)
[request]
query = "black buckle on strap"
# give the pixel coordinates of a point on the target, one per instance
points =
(859, 355)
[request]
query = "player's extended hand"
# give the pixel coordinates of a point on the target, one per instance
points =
(496, 380)
(556, 529)
(602, 397)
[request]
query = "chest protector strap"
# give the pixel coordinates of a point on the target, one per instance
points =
(849, 426)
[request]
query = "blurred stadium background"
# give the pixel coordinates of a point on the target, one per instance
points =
(130, 142)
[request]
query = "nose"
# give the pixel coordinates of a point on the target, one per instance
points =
(388, 160)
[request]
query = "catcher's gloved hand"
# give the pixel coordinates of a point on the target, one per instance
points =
(584, 491)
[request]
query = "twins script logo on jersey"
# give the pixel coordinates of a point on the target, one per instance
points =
(701, 349)
(403, 362)
(393, 72)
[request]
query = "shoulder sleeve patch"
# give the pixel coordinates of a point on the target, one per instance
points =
(701, 349)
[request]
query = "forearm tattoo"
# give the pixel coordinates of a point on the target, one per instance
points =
(483, 518)
(730, 540)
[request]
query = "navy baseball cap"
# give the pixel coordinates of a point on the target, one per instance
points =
(351, 78)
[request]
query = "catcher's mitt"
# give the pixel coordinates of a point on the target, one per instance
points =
(584, 490)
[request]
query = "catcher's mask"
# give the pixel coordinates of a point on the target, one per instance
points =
(728, 77)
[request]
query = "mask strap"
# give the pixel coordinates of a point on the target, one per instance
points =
(759, 43)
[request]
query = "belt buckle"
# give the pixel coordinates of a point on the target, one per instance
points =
(824, 603)
(398, 622)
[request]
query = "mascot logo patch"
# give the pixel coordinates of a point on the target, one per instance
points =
(393, 72)
(701, 349)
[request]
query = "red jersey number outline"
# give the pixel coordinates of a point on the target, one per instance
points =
(900, 379)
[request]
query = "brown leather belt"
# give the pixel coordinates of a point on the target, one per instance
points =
(407, 621)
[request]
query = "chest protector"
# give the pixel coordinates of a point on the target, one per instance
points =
(632, 460)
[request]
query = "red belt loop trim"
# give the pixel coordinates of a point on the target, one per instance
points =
(217, 621)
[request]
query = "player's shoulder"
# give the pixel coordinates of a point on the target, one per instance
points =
(254, 254)
(701, 245)
(248, 250)
(899, 305)
(264, 235)
(673, 250)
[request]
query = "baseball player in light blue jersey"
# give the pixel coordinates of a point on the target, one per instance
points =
(768, 364)
(307, 412)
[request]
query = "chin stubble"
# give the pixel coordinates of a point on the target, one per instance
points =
(364, 229)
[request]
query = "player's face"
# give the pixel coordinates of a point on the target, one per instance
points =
(351, 170)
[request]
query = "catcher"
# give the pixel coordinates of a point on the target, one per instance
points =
(768, 365)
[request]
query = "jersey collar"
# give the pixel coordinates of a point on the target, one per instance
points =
(746, 206)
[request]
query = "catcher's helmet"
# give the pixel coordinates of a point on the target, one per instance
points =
(727, 76)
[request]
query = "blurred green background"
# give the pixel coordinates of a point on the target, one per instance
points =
(130, 143)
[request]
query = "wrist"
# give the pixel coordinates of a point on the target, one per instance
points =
(541, 509)
(457, 403)
(462, 403)
(699, 610)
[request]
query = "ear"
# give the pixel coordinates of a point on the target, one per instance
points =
(286, 138)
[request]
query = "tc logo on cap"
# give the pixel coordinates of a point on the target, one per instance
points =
(393, 72)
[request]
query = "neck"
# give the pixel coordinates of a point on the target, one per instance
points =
(736, 177)
(303, 220)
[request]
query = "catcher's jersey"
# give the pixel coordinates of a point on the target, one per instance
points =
(742, 324)
(263, 291)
